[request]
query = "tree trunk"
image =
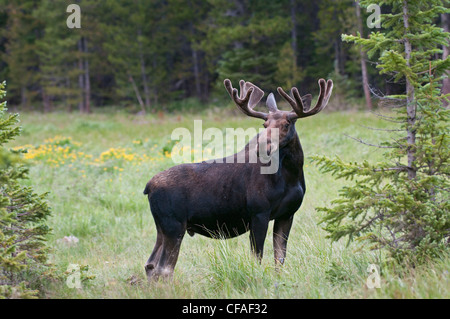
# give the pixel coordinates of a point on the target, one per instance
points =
(337, 68)
(294, 30)
(136, 91)
(362, 54)
(81, 76)
(143, 72)
(195, 63)
(68, 85)
(198, 90)
(46, 101)
(87, 82)
(23, 97)
(206, 86)
(410, 102)
(445, 18)
(155, 88)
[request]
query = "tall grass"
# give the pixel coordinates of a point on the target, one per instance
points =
(96, 196)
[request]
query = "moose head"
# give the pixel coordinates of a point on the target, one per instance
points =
(282, 121)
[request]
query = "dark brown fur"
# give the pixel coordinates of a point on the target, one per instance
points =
(223, 199)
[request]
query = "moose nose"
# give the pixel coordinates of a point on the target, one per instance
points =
(267, 142)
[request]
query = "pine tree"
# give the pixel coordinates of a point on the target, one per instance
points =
(58, 57)
(402, 204)
(20, 34)
(243, 39)
(124, 42)
(288, 73)
(23, 253)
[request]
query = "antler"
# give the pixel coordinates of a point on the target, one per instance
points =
(249, 97)
(298, 103)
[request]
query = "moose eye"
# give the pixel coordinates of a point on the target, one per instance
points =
(286, 125)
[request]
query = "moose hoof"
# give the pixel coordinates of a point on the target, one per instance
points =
(153, 274)
(149, 267)
(149, 270)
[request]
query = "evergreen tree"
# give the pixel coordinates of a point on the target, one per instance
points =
(288, 73)
(402, 203)
(23, 253)
(244, 39)
(58, 57)
(20, 34)
(128, 48)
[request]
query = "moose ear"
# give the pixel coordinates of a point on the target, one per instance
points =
(271, 103)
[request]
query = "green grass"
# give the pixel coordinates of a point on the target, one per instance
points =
(99, 200)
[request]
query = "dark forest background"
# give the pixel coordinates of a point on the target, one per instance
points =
(166, 54)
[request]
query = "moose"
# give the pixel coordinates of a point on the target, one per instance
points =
(227, 198)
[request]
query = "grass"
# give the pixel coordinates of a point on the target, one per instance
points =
(96, 166)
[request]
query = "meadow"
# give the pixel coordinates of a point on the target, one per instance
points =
(95, 168)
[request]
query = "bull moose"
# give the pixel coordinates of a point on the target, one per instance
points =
(227, 198)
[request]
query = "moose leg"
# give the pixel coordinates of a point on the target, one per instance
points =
(152, 261)
(258, 232)
(169, 255)
(281, 229)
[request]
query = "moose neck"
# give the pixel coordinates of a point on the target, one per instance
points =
(291, 158)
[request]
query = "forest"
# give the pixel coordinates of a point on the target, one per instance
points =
(166, 54)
